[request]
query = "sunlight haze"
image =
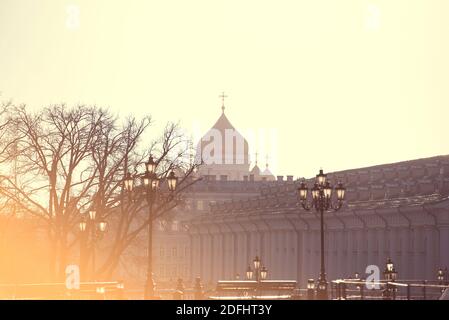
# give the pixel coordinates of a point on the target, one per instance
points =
(339, 84)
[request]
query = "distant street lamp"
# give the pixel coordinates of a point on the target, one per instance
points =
(390, 275)
(310, 289)
(322, 201)
(442, 277)
(263, 273)
(92, 230)
(128, 183)
(260, 272)
(249, 273)
(150, 181)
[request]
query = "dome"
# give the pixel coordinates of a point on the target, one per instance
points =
(255, 170)
(223, 144)
(267, 174)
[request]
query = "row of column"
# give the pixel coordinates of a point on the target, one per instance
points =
(295, 255)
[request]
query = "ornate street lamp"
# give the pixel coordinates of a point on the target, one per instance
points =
(150, 182)
(442, 277)
(151, 165)
(256, 262)
(83, 225)
(172, 181)
(263, 273)
(92, 214)
(102, 226)
(92, 230)
(310, 289)
(260, 272)
(390, 275)
(321, 178)
(311, 284)
(128, 182)
(249, 273)
(322, 201)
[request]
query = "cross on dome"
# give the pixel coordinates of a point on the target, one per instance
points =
(222, 96)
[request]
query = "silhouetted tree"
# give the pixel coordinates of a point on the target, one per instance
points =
(70, 159)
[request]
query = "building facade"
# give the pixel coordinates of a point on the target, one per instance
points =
(398, 211)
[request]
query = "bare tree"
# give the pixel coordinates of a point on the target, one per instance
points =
(71, 159)
(129, 216)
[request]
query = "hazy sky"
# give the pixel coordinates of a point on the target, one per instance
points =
(336, 84)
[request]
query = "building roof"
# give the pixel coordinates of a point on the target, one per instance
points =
(403, 184)
(255, 170)
(267, 172)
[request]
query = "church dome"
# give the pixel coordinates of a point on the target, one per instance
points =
(267, 174)
(255, 170)
(223, 144)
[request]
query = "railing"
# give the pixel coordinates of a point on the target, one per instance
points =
(351, 289)
(341, 289)
(58, 291)
(234, 290)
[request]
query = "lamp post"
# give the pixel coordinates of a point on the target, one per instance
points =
(150, 181)
(390, 275)
(92, 231)
(322, 201)
(442, 277)
(310, 289)
(260, 272)
(83, 245)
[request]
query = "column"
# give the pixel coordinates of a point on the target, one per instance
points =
(267, 251)
(341, 252)
(382, 236)
(418, 249)
(431, 266)
(369, 248)
(350, 245)
(305, 256)
(444, 246)
(300, 257)
(291, 253)
(404, 254)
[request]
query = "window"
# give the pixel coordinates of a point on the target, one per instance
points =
(174, 252)
(200, 205)
(161, 252)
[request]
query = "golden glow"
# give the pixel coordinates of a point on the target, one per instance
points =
(375, 70)
(336, 84)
